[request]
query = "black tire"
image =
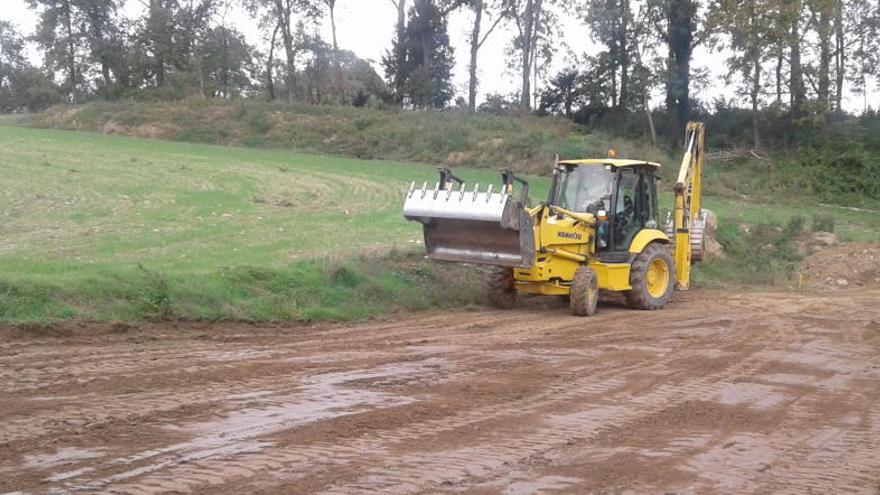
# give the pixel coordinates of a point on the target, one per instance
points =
(640, 297)
(584, 292)
(500, 290)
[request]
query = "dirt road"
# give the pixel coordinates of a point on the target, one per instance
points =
(718, 393)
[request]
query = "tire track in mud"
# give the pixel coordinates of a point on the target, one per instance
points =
(189, 477)
(787, 359)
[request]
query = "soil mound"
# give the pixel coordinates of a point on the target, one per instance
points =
(843, 266)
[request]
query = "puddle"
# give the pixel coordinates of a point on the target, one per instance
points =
(734, 463)
(753, 394)
(64, 455)
(263, 413)
(68, 474)
(236, 355)
(790, 379)
(540, 485)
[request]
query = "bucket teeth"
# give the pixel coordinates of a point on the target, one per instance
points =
(465, 223)
(412, 188)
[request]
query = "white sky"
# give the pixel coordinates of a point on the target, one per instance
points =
(366, 26)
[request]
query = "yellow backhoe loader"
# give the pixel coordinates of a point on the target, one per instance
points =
(598, 230)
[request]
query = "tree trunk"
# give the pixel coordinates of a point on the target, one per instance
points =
(624, 57)
(650, 120)
(755, 93)
(839, 55)
(224, 59)
(475, 48)
(680, 33)
(614, 93)
(338, 90)
(159, 39)
(525, 97)
(270, 64)
(283, 8)
(400, 51)
(425, 40)
(200, 74)
(779, 61)
(823, 91)
(71, 49)
(796, 85)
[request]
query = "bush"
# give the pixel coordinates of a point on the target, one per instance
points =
(763, 255)
(846, 177)
(823, 223)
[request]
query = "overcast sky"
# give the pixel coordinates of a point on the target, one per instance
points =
(366, 27)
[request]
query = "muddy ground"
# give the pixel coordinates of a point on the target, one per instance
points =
(720, 392)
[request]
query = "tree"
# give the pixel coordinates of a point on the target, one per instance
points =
(611, 23)
(395, 60)
(680, 41)
(674, 24)
(227, 63)
(56, 36)
(338, 88)
(792, 12)
(480, 8)
(864, 18)
(422, 60)
(101, 31)
(172, 31)
(563, 92)
(22, 86)
(527, 17)
(282, 15)
(12, 62)
(747, 25)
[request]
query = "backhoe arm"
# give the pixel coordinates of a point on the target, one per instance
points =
(688, 195)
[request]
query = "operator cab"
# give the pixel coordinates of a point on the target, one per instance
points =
(621, 194)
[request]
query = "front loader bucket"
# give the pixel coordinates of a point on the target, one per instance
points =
(472, 226)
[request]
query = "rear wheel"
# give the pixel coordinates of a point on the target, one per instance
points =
(584, 292)
(500, 290)
(652, 278)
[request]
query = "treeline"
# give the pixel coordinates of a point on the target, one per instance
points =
(788, 63)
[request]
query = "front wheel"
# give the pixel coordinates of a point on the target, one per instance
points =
(500, 288)
(584, 292)
(651, 277)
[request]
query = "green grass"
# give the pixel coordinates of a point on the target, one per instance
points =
(108, 227)
(455, 138)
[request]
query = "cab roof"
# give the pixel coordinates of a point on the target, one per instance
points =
(616, 162)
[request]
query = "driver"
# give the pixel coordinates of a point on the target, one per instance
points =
(623, 214)
(597, 197)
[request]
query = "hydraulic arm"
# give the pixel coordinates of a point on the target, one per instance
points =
(689, 219)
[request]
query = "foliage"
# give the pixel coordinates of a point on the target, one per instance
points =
(422, 61)
(453, 137)
(22, 86)
(763, 255)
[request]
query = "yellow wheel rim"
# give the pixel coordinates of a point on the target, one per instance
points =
(657, 279)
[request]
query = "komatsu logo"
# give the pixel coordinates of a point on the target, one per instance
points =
(570, 235)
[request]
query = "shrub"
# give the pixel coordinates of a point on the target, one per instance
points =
(823, 223)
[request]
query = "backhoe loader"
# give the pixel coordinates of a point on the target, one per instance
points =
(598, 230)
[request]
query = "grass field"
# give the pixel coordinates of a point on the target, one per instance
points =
(111, 227)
